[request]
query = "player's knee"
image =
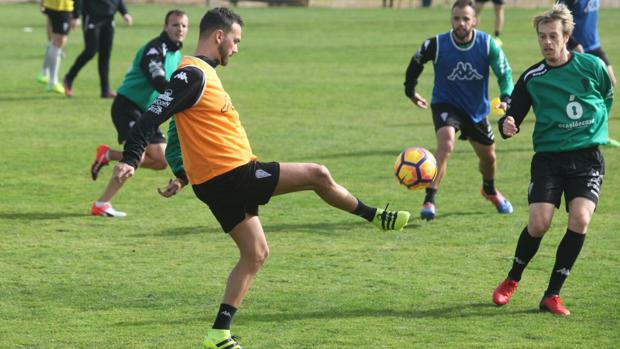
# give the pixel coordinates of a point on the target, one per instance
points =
(538, 228)
(579, 223)
(321, 175)
(257, 258)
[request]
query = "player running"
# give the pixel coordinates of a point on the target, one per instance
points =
(571, 95)
(461, 58)
(147, 77)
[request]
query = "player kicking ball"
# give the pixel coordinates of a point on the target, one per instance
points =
(221, 167)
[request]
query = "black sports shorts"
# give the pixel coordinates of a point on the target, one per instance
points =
(125, 113)
(447, 115)
(60, 20)
(577, 173)
(233, 194)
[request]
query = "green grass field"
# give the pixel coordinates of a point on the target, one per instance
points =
(319, 85)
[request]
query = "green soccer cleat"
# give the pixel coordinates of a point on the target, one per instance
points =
(42, 79)
(221, 339)
(56, 88)
(390, 220)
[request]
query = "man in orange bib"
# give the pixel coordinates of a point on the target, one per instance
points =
(221, 167)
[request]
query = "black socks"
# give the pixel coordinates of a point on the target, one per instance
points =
(526, 249)
(489, 186)
(565, 257)
(368, 213)
(224, 317)
(430, 195)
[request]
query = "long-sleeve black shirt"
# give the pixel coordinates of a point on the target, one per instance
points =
(182, 92)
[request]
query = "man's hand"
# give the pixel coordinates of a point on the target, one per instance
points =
(509, 128)
(418, 100)
(122, 171)
(128, 19)
(174, 186)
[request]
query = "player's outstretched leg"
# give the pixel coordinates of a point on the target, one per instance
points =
(307, 176)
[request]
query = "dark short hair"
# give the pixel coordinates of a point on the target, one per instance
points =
(175, 12)
(219, 18)
(463, 4)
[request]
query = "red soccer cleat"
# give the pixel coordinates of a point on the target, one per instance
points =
(504, 291)
(101, 159)
(554, 304)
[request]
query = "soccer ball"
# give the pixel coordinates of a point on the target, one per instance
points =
(415, 168)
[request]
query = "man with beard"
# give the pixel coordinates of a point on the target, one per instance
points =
(461, 58)
(221, 167)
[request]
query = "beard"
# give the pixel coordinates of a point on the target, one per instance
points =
(461, 34)
(223, 52)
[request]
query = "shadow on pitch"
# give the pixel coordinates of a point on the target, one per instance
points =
(40, 216)
(327, 229)
(41, 96)
(454, 311)
(465, 310)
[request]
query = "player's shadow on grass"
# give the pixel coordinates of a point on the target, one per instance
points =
(39, 216)
(462, 310)
(327, 229)
(26, 98)
(453, 311)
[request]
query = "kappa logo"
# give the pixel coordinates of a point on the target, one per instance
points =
(464, 71)
(519, 261)
(226, 313)
(262, 174)
(563, 271)
(181, 76)
(152, 52)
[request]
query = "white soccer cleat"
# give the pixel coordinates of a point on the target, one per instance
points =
(106, 210)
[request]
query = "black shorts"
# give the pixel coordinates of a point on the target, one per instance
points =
(598, 52)
(60, 20)
(125, 113)
(447, 115)
(496, 2)
(577, 173)
(233, 194)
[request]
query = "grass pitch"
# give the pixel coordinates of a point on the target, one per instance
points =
(320, 85)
